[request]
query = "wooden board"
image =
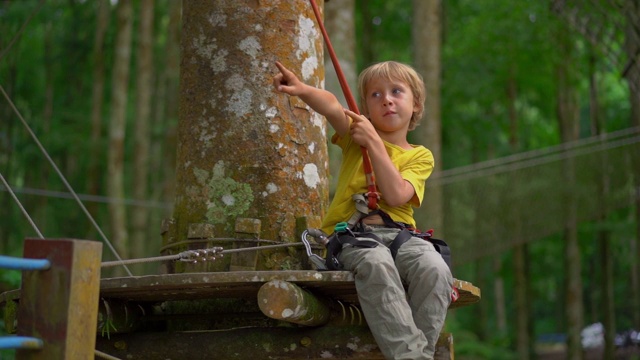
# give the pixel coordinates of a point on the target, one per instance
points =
(337, 285)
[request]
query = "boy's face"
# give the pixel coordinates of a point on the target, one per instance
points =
(390, 104)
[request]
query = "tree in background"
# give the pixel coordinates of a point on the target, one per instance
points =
(339, 20)
(427, 45)
(119, 97)
(567, 113)
(97, 151)
(144, 92)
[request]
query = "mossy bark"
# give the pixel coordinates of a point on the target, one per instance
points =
(243, 149)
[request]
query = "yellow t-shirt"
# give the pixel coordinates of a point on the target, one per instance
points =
(415, 166)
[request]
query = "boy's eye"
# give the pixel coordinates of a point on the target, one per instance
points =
(397, 91)
(375, 94)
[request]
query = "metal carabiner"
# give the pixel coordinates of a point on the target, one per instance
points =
(320, 238)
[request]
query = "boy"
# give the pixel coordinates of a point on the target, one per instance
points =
(405, 325)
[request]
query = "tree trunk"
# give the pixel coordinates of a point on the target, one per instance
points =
(366, 49)
(245, 151)
(139, 217)
(340, 25)
(567, 110)
(427, 44)
(103, 9)
(603, 235)
(115, 180)
(500, 300)
(632, 75)
(41, 215)
(165, 116)
(7, 206)
(520, 250)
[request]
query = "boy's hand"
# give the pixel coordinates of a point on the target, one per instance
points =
(287, 82)
(362, 130)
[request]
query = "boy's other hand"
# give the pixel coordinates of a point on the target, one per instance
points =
(361, 129)
(287, 82)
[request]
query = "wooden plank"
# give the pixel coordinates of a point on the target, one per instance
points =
(60, 305)
(336, 285)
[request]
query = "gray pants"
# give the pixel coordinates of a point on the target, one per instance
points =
(406, 325)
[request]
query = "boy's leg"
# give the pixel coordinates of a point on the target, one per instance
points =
(383, 301)
(430, 284)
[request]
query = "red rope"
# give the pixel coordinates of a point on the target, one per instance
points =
(372, 195)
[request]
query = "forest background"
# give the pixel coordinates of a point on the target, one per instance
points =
(533, 112)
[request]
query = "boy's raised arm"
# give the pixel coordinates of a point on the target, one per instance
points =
(321, 101)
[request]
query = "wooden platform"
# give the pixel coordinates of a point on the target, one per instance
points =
(337, 285)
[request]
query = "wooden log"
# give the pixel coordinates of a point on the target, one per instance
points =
(286, 301)
(60, 305)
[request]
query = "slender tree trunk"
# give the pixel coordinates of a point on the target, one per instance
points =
(520, 250)
(7, 207)
(144, 73)
(115, 180)
(567, 110)
(603, 235)
(632, 75)
(366, 48)
(427, 44)
(499, 294)
(245, 151)
(47, 117)
(103, 8)
(165, 115)
(339, 20)
(171, 96)
(165, 112)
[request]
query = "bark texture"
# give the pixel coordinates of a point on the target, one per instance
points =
(244, 150)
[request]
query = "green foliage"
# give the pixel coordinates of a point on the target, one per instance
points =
(469, 347)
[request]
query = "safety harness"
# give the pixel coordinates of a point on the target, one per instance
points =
(358, 235)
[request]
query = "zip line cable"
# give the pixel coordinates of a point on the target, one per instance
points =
(550, 155)
(92, 198)
(199, 255)
(64, 180)
(26, 214)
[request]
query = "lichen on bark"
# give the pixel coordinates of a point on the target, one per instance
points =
(226, 197)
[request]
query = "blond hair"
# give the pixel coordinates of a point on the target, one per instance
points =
(390, 70)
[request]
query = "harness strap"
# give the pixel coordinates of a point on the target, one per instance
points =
(338, 240)
(402, 237)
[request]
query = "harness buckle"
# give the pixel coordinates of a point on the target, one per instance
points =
(341, 226)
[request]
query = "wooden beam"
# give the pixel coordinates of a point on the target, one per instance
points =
(60, 305)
